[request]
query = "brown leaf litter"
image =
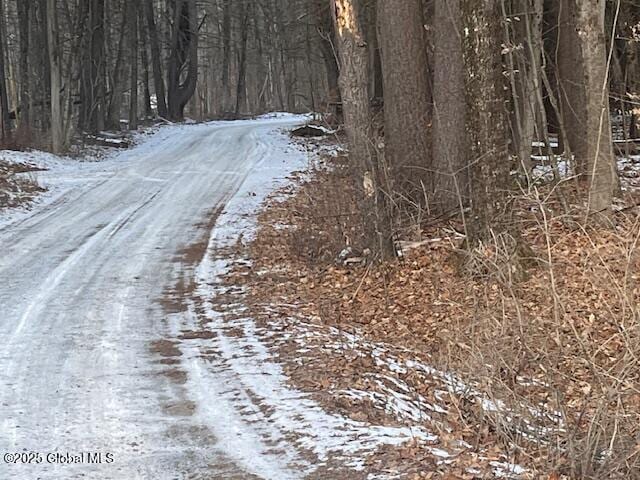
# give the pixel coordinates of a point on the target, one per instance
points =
(538, 364)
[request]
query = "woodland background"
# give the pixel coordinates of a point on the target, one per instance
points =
(459, 81)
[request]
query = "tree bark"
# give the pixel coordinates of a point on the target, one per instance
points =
(57, 121)
(144, 59)
(487, 122)
(115, 100)
(226, 52)
(571, 86)
(376, 81)
(289, 64)
(601, 165)
(184, 55)
(241, 90)
(324, 25)
(5, 121)
(156, 60)
(524, 37)
(261, 72)
(451, 180)
(24, 10)
(407, 96)
(133, 64)
(99, 67)
(354, 84)
(354, 65)
(92, 67)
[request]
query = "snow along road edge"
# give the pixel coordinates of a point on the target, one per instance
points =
(260, 441)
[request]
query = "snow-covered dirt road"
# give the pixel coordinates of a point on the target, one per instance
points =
(109, 341)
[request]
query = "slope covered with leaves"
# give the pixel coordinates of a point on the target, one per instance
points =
(542, 373)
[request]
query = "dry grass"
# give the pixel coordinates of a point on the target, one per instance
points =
(573, 329)
(17, 187)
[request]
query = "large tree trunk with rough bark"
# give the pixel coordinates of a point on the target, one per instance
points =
(354, 82)
(407, 95)
(487, 122)
(450, 186)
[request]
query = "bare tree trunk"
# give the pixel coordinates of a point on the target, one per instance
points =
(487, 122)
(92, 68)
(156, 60)
(99, 65)
(276, 56)
(24, 10)
(57, 121)
(525, 81)
(370, 18)
(327, 45)
(354, 83)
(571, 87)
(310, 72)
(115, 101)
(5, 121)
(144, 58)
(226, 49)
(9, 64)
(41, 51)
(407, 93)
(241, 91)
(133, 60)
(184, 55)
(354, 65)
(601, 165)
(261, 102)
(450, 186)
(288, 64)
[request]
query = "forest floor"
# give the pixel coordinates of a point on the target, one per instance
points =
(535, 378)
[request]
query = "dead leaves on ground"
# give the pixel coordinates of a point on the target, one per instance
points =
(563, 338)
